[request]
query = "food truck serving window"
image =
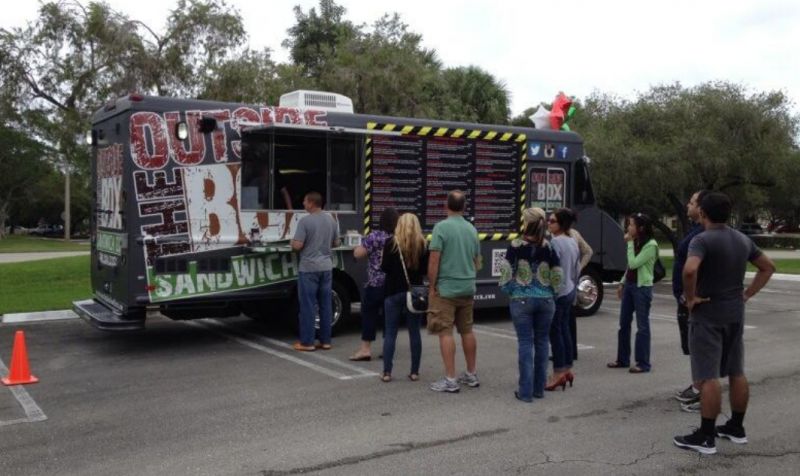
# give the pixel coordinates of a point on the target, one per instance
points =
(280, 167)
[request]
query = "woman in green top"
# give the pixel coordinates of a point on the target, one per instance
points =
(636, 294)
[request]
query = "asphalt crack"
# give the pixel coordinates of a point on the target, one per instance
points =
(592, 413)
(549, 460)
(398, 448)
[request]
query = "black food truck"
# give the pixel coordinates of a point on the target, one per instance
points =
(195, 201)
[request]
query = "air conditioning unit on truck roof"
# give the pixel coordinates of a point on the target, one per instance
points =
(317, 100)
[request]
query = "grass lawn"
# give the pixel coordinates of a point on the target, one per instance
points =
(33, 244)
(54, 283)
(43, 285)
(784, 266)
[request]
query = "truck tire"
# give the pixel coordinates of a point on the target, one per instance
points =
(590, 292)
(340, 307)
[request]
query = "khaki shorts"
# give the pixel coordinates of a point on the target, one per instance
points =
(445, 312)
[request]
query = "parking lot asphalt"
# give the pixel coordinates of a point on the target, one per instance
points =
(228, 396)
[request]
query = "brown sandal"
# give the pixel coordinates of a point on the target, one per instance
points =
(413, 377)
(360, 358)
(386, 377)
(615, 365)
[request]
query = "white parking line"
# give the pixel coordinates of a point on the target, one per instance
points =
(32, 411)
(504, 334)
(250, 340)
(654, 316)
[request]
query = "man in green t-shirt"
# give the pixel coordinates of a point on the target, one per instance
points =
(455, 257)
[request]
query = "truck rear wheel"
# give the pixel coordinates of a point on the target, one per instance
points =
(590, 293)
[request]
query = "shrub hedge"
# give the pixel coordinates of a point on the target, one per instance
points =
(777, 241)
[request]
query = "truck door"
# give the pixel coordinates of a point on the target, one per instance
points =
(109, 238)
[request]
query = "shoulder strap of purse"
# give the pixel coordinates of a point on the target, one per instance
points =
(402, 261)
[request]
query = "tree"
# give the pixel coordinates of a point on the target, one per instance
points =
(250, 78)
(475, 96)
(671, 141)
(316, 38)
(524, 119)
(22, 163)
(60, 68)
(783, 201)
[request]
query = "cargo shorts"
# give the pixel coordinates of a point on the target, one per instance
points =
(444, 313)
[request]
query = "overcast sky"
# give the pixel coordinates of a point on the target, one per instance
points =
(539, 48)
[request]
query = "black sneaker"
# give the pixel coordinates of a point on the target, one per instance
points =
(689, 395)
(697, 441)
(732, 432)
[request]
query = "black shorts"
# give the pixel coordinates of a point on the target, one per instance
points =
(717, 350)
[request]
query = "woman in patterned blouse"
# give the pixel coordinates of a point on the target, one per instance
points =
(372, 299)
(531, 275)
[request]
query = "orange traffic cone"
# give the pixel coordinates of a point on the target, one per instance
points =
(20, 371)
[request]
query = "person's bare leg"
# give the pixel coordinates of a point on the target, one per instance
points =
(740, 393)
(470, 344)
(366, 347)
(447, 345)
(710, 399)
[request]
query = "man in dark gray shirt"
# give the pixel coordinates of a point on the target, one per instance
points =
(316, 234)
(715, 296)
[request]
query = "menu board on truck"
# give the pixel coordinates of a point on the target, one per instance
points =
(414, 173)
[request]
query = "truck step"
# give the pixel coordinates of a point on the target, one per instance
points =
(103, 318)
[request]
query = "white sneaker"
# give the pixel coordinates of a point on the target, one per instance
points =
(468, 379)
(445, 385)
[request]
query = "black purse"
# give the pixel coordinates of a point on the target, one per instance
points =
(658, 271)
(417, 295)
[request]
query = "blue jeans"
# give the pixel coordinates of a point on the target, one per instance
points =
(394, 309)
(371, 311)
(635, 299)
(560, 333)
(314, 290)
(532, 318)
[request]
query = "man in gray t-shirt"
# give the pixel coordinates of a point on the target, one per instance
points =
(316, 234)
(723, 254)
(715, 296)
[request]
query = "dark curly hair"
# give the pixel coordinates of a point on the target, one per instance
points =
(565, 218)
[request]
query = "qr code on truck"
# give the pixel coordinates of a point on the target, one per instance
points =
(497, 257)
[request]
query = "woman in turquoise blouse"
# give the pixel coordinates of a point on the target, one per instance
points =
(531, 274)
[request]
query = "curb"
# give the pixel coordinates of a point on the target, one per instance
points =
(777, 276)
(25, 317)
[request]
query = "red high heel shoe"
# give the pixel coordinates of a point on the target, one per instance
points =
(561, 382)
(570, 378)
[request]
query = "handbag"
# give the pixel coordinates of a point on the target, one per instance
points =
(658, 271)
(417, 295)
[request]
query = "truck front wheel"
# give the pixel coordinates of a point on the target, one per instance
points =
(590, 292)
